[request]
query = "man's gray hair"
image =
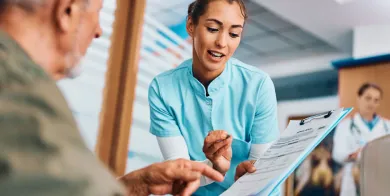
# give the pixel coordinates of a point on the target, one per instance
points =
(28, 5)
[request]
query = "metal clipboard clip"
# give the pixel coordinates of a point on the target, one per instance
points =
(322, 115)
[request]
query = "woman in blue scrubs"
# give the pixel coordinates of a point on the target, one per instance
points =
(214, 108)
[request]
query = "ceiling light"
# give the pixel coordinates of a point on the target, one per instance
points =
(343, 1)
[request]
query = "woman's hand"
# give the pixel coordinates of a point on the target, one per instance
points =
(243, 168)
(218, 149)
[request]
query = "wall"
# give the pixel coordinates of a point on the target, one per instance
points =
(295, 66)
(371, 40)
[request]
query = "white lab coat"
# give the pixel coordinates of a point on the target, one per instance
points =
(346, 142)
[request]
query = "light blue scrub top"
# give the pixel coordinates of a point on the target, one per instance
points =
(241, 101)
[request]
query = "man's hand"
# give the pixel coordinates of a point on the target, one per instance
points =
(218, 149)
(179, 177)
(243, 168)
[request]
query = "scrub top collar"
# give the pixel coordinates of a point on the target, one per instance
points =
(215, 86)
(370, 124)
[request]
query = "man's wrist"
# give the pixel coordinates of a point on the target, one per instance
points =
(135, 183)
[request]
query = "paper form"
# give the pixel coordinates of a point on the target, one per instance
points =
(274, 166)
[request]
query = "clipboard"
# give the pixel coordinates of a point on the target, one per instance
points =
(290, 150)
(317, 116)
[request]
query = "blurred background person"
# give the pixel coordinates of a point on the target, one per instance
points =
(352, 134)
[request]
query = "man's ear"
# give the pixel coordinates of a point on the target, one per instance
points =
(190, 27)
(67, 14)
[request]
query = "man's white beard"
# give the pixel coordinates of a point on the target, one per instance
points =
(76, 70)
(73, 64)
(74, 60)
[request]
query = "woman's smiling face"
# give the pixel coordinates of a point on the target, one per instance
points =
(217, 34)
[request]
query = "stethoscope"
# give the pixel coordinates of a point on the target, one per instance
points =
(358, 131)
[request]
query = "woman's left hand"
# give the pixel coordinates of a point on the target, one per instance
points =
(243, 168)
(218, 149)
(354, 156)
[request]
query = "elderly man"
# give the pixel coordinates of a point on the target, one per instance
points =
(41, 151)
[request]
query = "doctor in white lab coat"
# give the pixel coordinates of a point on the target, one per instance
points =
(354, 132)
